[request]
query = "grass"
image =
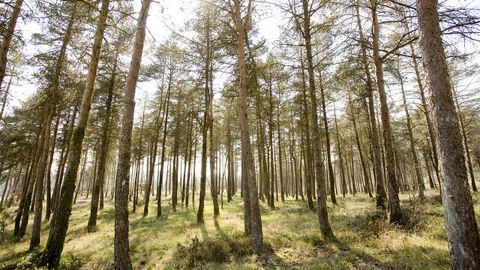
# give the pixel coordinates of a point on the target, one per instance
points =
(364, 239)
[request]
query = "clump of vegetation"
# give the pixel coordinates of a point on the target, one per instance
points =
(369, 223)
(5, 219)
(210, 250)
(32, 260)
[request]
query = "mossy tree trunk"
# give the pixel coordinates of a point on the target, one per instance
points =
(61, 216)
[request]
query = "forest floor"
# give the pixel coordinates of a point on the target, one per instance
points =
(364, 239)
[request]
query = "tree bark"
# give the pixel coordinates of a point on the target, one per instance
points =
(248, 170)
(317, 144)
(331, 175)
(62, 213)
(104, 147)
(121, 247)
(395, 212)
(462, 231)
(381, 196)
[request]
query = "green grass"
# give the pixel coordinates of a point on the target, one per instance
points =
(364, 239)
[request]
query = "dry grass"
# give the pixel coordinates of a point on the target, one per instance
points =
(364, 239)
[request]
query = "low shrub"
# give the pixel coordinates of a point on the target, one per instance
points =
(210, 250)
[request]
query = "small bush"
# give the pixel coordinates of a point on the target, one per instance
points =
(211, 250)
(371, 223)
(5, 219)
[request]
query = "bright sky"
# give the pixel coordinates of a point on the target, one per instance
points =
(171, 12)
(164, 15)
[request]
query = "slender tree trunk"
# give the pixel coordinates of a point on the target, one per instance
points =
(280, 158)
(331, 175)
(360, 152)
(395, 212)
(340, 155)
(308, 157)
(418, 175)
(317, 144)
(427, 112)
(164, 141)
(462, 231)
(381, 196)
(62, 213)
(40, 175)
(153, 156)
(465, 141)
(48, 205)
(104, 148)
(121, 247)
(251, 203)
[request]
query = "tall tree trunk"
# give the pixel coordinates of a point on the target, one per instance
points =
(331, 175)
(153, 153)
(308, 157)
(48, 206)
(366, 175)
(418, 175)
(248, 170)
(62, 213)
(317, 144)
(340, 155)
(104, 148)
(164, 141)
(462, 231)
(426, 110)
(465, 141)
(212, 148)
(381, 196)
(121, 247)
(54, 98)
(280, 158)
(395, 212)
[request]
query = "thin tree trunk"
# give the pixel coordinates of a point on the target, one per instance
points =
(381, 196)
(252, 207)
(395, 212)
(164, 140)
(331, 175)
(465, 141)
(427, 112)
(317, 144)
(121, 247)
(62, 213)
(418, 175)
(104, 148)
